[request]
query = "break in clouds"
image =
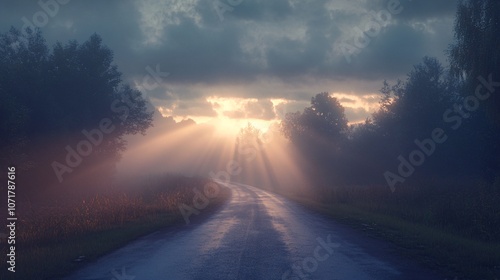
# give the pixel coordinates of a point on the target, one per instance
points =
(254, 51)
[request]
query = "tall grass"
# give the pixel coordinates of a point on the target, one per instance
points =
(453, 227)
(53, 234)
(471, 210)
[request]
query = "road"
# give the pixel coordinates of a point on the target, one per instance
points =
(256, 235)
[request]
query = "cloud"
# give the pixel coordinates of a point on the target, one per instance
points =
(235, 114)
(253, 109)
(291, 106)
(346, 100)
(187, 108)
(355, 115)
(260, 109)
(261, 50)
(421, 9)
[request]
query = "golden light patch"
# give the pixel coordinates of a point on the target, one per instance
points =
(227, 113)
(369, 102)
(232, 114)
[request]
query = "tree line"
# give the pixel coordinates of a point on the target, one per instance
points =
(64, 109)
(440, 124)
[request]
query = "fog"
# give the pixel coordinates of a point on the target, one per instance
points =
(203, 150)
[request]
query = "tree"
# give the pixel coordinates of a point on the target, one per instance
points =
(50, 97)
(476, 53)
(248, 143)
(386, 118)
(249, 135)
(323, 120)
(477, 47)
(411, 109)
(22, 62)
(320, 133)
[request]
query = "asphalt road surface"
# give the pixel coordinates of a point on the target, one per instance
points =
(256, 235)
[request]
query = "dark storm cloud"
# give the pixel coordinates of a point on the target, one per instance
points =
(390, 54)
(261, 10)
(196, 54)
(287, 42)
(420, 9)
(114, 20)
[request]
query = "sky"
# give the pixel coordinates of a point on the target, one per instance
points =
(235, 61)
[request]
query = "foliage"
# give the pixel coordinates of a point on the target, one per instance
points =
(454, 186)
(50, 95)
(325, 118)
(476, 53)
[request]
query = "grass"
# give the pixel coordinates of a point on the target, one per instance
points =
(444, 251)
(50, 239)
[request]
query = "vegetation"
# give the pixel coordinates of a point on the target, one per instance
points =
(424, 170)
(427, 160)
(431, 131)
(54, 235)
(61, 101)
(64, 116)
(451, 254)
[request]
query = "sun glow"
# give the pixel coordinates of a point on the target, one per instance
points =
(232, 127)
(235, 113)
(201, 150)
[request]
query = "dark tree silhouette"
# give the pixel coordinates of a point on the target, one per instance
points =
(448, 188)
(320, 133)
(477, 47)
(411, 109)
(324, 119)
(50, 97)
(476, 53)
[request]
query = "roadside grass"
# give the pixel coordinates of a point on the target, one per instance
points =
(50, 240)
(444, 251)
